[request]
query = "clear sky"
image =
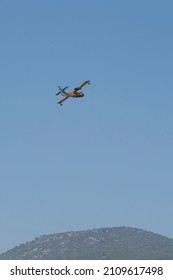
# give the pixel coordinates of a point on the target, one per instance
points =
(105, 159)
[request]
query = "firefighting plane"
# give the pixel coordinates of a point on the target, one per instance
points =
(75, 93)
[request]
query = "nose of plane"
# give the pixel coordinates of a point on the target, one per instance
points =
(79, 94)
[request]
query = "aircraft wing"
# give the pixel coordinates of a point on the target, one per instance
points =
(62, 100)
(82, 85)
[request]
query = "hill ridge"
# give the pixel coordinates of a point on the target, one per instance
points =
(102, 243)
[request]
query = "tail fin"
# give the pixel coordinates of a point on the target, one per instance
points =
(62, 90)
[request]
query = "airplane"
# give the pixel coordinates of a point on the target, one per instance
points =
(75, 93)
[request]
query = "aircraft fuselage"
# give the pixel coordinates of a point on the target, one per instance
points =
(73, 94)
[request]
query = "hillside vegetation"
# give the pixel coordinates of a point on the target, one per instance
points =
(103, 243)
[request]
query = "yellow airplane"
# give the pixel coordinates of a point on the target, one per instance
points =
(75, 93)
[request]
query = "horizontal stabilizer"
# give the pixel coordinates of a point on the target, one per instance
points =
(62, 90)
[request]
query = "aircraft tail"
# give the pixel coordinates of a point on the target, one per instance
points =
(62, 90)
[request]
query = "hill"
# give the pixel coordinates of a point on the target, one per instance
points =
(103, 243)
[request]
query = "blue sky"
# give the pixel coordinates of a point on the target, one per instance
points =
(105, 159)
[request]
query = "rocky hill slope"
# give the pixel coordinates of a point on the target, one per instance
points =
(103, 243)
